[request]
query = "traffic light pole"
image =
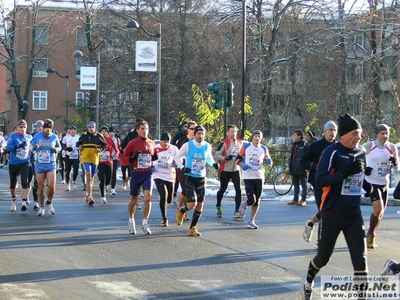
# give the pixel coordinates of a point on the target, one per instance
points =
(225, 96)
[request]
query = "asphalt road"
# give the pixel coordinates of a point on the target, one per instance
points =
(85, 252)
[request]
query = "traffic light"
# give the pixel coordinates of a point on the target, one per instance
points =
(216, 88)
(229, 96)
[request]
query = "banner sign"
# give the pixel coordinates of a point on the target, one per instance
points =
(88, 78)
(146, 56)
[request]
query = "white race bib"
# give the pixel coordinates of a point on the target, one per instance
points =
(44, 156)
(352, 185)
(144, 161)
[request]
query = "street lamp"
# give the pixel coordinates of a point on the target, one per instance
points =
(51, 70)
(134, 24)
(79, 54)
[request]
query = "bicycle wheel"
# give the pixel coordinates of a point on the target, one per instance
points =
(283, 183)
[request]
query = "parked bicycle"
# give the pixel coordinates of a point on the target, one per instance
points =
(283, 183)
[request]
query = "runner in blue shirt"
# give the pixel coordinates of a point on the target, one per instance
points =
(46, 145)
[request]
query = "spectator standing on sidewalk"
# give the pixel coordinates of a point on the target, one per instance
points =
(18, 148)
(297, 170)
(46, 145)
(340, 175)
(381, 156)
(227, 152)
(252, 157)
(197, 153)
(165, 173)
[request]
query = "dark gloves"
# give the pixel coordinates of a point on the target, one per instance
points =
(185, 170)
(35, 147)
(20, 145)
(216, 166)
(353, 168)
(134, 156)
(229, 157)
(69, 149)
(394, 161)
(154, 156)
(368, 171)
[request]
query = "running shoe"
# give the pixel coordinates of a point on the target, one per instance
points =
(41, 212)
(219, 211)
(236, 215)
(103, 200)
(14, 204)
(179, 217)
(387, 268)
(50, 207)
(23, 206)
(91, 201)
(302, 203)
(63, 181)
(132, 228)
(138, 207)
(371, 242)
(74, 185)
(69, 186)
(305, 293)
(242, 211)
(87, 199)
(164, 222)
(308, 231)
(175, 201)
(293, 202)
(252, 225)
(84, 187)
(35, 205)
(194, 231)
(113, 193)
(145, 228)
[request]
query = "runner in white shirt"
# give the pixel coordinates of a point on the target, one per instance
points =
(71, 156)
(164, 174)
(380, 156)
(252, 157)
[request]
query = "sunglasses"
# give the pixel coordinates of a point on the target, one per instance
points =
(191, 128)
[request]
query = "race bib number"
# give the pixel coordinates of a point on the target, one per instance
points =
(73, 154)
(383, 169)
(44, 156)
(352, 185)
(144, 161)
(199, 167)
(162, 162)
(104, 156)
(22, 153)
(254, 161)
(235, 151)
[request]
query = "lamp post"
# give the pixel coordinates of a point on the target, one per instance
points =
(134, 24)
(79, 54)
(51, 70)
